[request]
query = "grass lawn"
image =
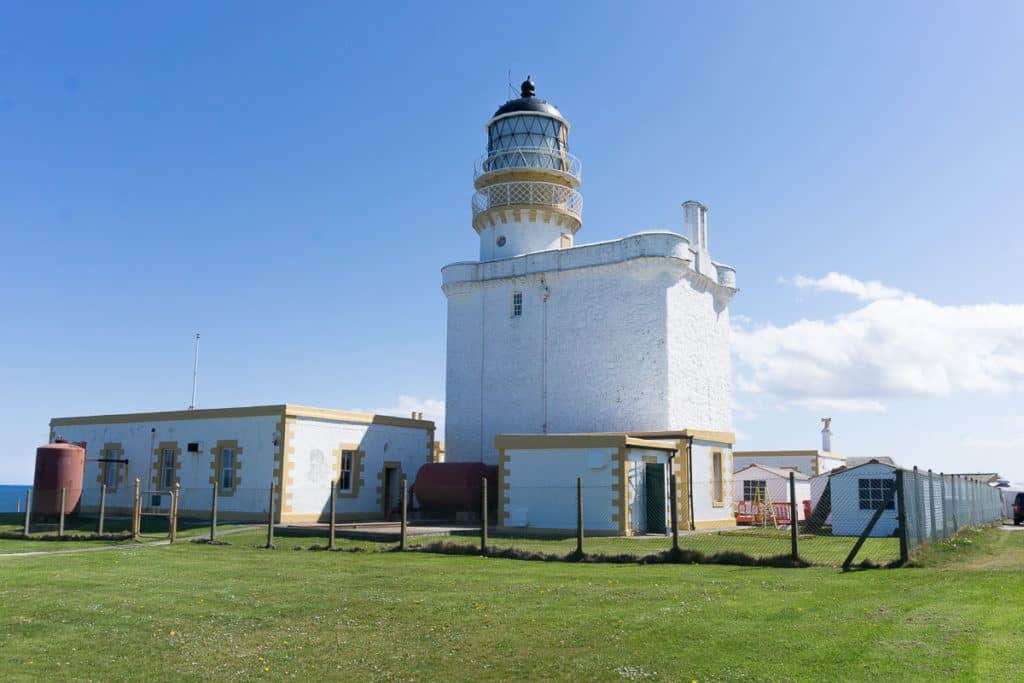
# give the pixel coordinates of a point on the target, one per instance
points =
(42, 536)
(819, 550)
(236, 611)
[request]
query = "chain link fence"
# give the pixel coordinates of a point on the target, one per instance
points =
(871, 515)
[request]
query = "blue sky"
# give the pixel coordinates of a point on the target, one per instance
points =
(290, 178)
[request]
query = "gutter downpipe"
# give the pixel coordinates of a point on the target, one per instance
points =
(689, 477)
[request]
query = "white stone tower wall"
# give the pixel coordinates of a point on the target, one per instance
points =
(699, 364)
(520, 238)
(631, 345)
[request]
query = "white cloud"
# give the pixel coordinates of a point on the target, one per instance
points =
(1007, 443)
(872, 290)
(898, 345)
(840, 405)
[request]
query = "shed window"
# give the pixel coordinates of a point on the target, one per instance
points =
(718, 480)
(227, 468)
(348, 459)
(755, 490)
(872, 493)
(517, 304)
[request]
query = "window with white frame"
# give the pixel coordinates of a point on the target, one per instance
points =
(227, 469)
(167, 468)
(872, 493)
(348, 461)
(517, 304)
(755, 490)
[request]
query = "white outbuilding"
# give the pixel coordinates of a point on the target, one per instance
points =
(756, 487)
(856, 494)
(298, 449)
(625, 479)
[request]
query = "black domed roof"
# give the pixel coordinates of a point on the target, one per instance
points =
(528, 101)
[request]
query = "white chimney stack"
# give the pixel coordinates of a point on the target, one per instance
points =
(826, 434)
(695, 219)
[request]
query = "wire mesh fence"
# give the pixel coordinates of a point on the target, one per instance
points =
(871, 515)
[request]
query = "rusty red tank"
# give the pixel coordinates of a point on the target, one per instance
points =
(58, 465)
(454, 486)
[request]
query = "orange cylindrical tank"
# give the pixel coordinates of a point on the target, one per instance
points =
(58, 465)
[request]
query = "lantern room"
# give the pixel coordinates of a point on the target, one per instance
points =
(527, 184)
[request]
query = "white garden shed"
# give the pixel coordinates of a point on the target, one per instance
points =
(758, 485)
(856, 493)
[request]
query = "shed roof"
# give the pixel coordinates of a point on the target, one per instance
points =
(782, 472)
(885, 462)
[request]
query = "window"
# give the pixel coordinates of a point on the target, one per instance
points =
(348, 460)
(227, 468)
(110, 468)
(566, 241)
(872, 493)
(717, 479)
(755, 490)
(167, 467)
(517, 304)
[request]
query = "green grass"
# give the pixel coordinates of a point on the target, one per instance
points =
(829, 551)
(236, 611)
(975, 549)
(43, 536)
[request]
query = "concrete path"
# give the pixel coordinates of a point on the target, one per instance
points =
(128, 546)
(1011, 527)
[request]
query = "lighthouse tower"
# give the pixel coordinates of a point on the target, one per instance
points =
(527, 184)
(546, 336)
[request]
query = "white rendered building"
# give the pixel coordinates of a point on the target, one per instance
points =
(546, 336)
(300, 450)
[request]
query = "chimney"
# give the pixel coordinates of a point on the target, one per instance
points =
(695, 219)
(826, 434)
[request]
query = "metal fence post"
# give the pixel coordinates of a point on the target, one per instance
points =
(213, 513)
(405, 514)
(483, 516)
(63, 499)
(901, 511)
(28, 512)
(579, 515)
(942, 497)
(919, 507)
(931, 506)
(172, 532)
(103, 508)
(136, 511)
(330, 540)
(954, 483)
(674, 495)
(270, 517)
(793, 518)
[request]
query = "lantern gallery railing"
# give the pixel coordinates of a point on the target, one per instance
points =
(529, 157)
(558, 197)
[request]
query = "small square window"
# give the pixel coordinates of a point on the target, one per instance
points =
(517, 304)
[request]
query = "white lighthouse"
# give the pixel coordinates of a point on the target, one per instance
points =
(546, 336)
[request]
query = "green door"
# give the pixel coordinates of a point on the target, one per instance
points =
(654, 491)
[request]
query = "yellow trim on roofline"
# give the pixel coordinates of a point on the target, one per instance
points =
(728, 438)
(591, 440)
(285, 409)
